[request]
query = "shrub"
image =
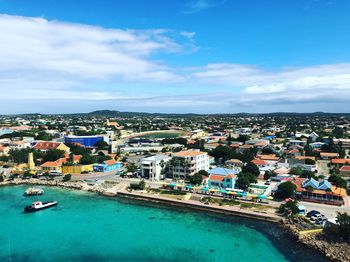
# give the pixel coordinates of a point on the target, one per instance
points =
(67, 177)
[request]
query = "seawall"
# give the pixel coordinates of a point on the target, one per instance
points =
(200, 206)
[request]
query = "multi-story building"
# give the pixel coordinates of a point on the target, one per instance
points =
(86, 141)
(154, 167)
(187, 163)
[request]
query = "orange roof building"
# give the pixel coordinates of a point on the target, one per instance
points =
(46, 145)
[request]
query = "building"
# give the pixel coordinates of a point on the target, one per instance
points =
(86, 141)
(328, 155)
(340, 161)
(313, 136)
(222, 178)
(297, 143)
(322, 192)
(53, 166)
(186, 163)
(234, 163)
(77, 169)
(4, 150)
(345, 170)
(107, 166)
(46, 145)
(154, 167)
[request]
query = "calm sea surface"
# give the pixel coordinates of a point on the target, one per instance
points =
(87, 227)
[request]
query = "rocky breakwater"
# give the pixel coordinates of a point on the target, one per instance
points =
(106, 188)
(39, 182)
(331, 246)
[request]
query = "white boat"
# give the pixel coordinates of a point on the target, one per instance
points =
(38, 205)
(33, 191)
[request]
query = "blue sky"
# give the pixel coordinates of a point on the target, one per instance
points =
(203, 56)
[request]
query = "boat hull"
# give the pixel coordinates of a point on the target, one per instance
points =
(30, 209)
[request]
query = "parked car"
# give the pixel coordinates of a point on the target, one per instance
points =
(312, 213)
(321, 221)
(318, 216)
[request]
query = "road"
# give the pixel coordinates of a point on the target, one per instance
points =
(327, 210)
(322, 168)
(112, 177)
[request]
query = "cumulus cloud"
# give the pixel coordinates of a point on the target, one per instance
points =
(46, 61)
(291, 85)
(42, 55)
(36, 52)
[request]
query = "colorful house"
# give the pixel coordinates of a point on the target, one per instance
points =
(108, 165)
(323, 192)
(222, 178)
(77, 169)
(53, 166)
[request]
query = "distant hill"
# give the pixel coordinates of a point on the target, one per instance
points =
(116, 113)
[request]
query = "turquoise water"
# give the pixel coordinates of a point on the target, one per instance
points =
(87, 227)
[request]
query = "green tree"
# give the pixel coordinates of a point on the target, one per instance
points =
(286, 190)
(251, 168)
(53, 155)
(101, 145)
(77, 150)
(42, 135)
(197, 178)
(67, 177)
(131, 167)
(243, 182)
(142, 184)
(298, 171)
(337, 181)
(268, 174)
(19, 155)
(309, 161)
(87, 160)
(267, 151)
(243, 138)
(289, 208)
(343, 219)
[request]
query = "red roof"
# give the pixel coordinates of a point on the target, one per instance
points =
(44, 145)
(216, 178)
(340, 161)
(345, 168)
(258, 162)
(110, 162)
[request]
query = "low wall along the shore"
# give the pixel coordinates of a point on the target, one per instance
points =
(199, 206)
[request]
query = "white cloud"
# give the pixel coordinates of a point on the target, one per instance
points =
(290, 85)
(42, 49)
(195, 6)
(50, 60)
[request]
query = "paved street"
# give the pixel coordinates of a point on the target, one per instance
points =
(322, 168)
(327, 210)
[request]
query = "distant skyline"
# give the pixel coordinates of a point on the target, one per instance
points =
(190, 56)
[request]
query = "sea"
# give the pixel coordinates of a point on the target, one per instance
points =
(88, 227)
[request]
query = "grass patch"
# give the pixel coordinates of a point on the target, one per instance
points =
(173, 192)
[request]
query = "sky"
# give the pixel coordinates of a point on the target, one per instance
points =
(183, 56)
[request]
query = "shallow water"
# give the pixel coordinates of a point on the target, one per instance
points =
(87, 227)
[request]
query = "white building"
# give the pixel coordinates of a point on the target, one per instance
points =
(153, 167)
(187, 163)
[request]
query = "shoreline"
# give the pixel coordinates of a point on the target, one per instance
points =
(326, 248)
(195, 205)
(189, 204)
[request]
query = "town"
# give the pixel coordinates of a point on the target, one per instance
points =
(268, 165)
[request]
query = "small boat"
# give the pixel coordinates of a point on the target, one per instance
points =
(36, 206)
(33, 191)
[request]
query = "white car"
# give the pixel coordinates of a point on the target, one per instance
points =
(317, 217)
